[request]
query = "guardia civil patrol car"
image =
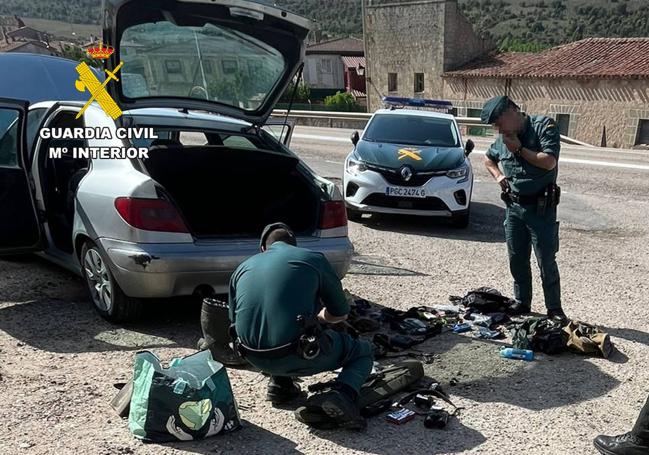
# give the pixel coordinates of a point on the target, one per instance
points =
(410, 160)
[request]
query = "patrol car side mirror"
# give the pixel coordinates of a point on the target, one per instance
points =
(355, 137)
(468, 148)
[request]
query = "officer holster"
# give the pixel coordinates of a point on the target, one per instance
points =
(307, 346)
(545, 200)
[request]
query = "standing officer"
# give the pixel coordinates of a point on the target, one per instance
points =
(276, 300)
(527, 149)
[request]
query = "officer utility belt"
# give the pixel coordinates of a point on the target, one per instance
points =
(549, 197)
(306, 346)
(273, 353)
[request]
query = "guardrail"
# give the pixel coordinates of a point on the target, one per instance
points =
(466, 121)
(364, 117)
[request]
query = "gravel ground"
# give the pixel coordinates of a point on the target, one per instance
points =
(58, 360)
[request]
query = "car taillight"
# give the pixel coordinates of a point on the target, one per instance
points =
(334, 214)
(150, 214)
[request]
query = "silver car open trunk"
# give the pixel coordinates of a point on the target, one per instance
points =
(222, 191)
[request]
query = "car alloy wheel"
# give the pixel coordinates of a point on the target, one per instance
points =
(99, 280)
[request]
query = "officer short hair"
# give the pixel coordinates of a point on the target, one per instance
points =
(276, 232)
(280, 235)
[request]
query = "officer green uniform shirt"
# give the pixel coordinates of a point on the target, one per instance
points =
(270, 290)
(540, 134)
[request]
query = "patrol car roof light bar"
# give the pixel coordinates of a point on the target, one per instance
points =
(395, 102)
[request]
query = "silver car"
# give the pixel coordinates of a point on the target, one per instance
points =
(204, 77)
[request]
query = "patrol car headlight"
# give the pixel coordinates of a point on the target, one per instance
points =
(355, 167)
(458, 173)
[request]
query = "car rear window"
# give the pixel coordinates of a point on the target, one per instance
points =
(412, 130)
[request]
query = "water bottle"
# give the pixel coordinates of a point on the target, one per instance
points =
(520, 354)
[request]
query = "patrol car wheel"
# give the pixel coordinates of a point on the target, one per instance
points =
(107, 297)
(461, 220)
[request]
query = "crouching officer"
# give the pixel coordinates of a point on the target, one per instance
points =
(277, 299)
(527, 149)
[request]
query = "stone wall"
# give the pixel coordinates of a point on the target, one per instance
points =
(415, 36)
(403, 38)
(461, 43)
(617, 104)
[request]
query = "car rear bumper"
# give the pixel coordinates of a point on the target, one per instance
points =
(445, 197)
(176, 269)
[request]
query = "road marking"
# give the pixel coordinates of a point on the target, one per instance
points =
(321, 138)
(642, 167)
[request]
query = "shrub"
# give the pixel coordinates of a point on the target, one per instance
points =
(342, 101)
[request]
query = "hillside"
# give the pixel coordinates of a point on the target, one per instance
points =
(514, 24)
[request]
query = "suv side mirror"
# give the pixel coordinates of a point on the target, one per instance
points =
(355, 138)
(468, 148)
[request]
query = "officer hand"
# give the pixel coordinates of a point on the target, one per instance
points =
(504, 184)
(512, 142)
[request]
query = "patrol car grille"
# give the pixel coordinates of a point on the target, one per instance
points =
(412, 203)
(394, 177)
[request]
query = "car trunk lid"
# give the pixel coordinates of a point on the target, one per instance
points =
(231, 57)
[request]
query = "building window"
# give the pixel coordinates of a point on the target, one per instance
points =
(229, 66)
(643, 132)
(419, 82)
(563, 121)
(326, 65)
(473, 112)
(174, 66)
(392, 82)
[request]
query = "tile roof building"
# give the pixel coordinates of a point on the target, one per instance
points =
(596, 88)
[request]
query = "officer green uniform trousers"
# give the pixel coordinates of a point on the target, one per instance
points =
(354, 356)
(524, 229)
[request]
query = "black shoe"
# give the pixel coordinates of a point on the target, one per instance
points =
(331, 409)
(282, 389)
(624, 444)
(519, 308)
(557, 315)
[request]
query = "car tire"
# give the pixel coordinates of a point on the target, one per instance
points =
(354, 215)
(461, 220)
(107, 297)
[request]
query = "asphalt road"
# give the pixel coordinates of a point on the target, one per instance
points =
(590, 178)
(59, 360)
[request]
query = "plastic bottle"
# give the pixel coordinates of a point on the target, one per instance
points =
(521, 354)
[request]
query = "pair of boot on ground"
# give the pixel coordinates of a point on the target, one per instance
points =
(334, 407)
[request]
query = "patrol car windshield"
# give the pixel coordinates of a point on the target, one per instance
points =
(412, 130)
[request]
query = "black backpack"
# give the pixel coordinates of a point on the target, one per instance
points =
(484, 300)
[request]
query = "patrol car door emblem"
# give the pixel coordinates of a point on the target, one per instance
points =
(406, 173)
(409, 153)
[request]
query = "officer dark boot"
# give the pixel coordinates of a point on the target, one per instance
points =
(557, 314)
(332, 408)
(282, 389)
(519, 308)
(624, 444)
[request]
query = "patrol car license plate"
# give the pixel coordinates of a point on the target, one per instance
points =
(400, 191)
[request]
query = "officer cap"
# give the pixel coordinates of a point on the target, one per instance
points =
(494, 108)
